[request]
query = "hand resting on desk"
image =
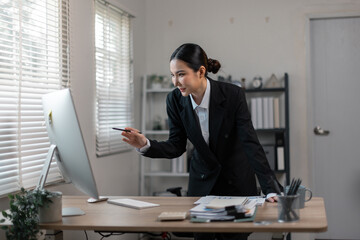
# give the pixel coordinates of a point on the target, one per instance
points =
(271, 197)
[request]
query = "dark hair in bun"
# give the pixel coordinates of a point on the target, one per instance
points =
(195, 57)
(213, 65)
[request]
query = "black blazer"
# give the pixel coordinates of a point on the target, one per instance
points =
(233, 155)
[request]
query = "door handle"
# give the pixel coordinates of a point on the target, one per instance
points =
(319, 131)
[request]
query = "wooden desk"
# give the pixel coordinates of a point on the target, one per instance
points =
(108, 217)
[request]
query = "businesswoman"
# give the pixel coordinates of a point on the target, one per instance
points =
(214, 116)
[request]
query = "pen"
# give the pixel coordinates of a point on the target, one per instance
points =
(125, 130)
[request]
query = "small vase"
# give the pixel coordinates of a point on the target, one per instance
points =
(156, 86)
(53, 211)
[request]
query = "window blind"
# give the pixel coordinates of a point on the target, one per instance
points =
(33, 61)
(114, 76)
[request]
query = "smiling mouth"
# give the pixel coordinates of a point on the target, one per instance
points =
(182, 89)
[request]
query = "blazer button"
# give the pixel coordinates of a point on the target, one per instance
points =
(226, 135)
(202, 176)
(230, 182)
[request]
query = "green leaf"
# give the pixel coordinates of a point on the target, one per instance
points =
(11, 196)
(18, 197)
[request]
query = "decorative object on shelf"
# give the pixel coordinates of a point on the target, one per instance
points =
(156, 81)
(166, 121)
(166, 82)
(224, 79)
(237, 83)
(257, 82)
(273, 82)
(230, 80)
(27, 209)
(243, 83)
(221, 79)
(157, 123)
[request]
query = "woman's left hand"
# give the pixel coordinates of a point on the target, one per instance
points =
(272, 199)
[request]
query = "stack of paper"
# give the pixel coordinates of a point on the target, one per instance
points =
(219, 208)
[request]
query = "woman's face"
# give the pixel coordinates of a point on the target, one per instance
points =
(184, 78)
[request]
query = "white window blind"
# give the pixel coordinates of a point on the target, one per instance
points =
(114, 76)
(33, 61)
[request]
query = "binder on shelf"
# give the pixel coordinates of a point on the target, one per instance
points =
(259, 111)
(280, 158)
(270, 155)
(282, 111)
(253, 112)
(271, 112)
(276, 113)
(180, 162)
(266, 119)
(280, 154)
(185, 162)
(173, 165)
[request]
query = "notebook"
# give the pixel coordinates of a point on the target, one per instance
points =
(127, 202)
(222, 202)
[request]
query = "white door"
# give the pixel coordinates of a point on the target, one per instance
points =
(335, 94)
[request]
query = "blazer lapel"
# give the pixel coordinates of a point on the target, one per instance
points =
(194, 131)
(216, 114)
(190, 122)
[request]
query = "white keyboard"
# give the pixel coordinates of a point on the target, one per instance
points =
(126, 202)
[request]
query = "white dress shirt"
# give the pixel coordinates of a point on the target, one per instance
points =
(202, 112)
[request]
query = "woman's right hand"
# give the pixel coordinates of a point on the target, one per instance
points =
(134, 137)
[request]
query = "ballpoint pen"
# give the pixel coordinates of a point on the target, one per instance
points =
(124, 130)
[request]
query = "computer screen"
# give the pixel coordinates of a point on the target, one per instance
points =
(64, 132)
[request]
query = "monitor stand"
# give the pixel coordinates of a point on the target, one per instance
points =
(71, 211)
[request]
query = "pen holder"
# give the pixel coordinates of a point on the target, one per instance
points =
(288, 208)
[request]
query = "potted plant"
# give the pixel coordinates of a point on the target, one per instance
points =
(156, 81)
(24, 213)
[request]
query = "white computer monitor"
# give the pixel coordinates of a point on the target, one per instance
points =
(67, 143)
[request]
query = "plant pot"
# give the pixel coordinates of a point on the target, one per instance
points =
(53, 211)
(156, 85)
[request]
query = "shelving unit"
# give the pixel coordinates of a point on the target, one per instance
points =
(163, 171)
(268, 135)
